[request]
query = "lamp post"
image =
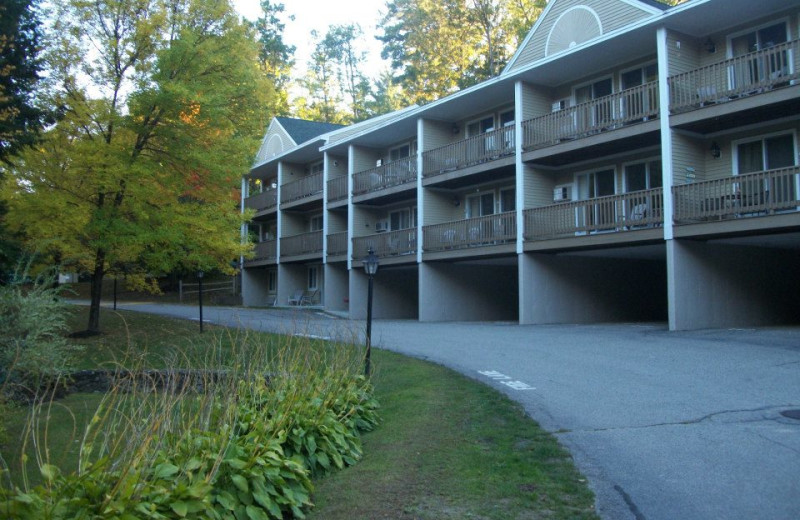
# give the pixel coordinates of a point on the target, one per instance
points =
(370, 267)
(200, 298)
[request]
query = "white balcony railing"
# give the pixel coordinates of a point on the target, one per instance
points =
(468, 152)
(621, 212)
(759, 193)
(500, 228)
(742, 76)
(606, 113)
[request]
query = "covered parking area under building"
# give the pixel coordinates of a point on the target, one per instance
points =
(623, 283)
(395, 292)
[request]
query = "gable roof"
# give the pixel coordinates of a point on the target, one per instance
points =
(609, 16)
(301, 130)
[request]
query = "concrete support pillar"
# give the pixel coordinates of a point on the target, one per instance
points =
(715, 285)
(255, 287)
(458, 292)
(337, 292)
(291, 278)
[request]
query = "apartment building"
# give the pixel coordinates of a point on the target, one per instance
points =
(633, 162)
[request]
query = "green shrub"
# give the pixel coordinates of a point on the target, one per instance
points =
(244, 447)
(33, 346)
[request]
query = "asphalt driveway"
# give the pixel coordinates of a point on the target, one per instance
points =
(665, 425)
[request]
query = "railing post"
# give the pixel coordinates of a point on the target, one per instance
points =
(180, 290)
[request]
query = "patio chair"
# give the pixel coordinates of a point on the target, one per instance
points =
(297, 298)
(309, 297)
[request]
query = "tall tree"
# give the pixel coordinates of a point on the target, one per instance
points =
(20, 66)
(324, 101)
(164, 103)
(275, 56)
(438, 47)
(342, 42)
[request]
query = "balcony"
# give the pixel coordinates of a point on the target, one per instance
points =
(735, 78)
(305, 244)
(622, 212)
(337, 244)
(263, 201)
(392, 244)
(265, 252)
(337, 189)
(630, 106)
(395, 173)
(491, 230)
(472, 151)
(302, 188)
(754, 194)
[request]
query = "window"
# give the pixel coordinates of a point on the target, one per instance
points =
(481, 126)
(600, 113)
(400, 152)
(316, 223)
(507, 122)
(400, 219)
(595, 184)
(769, 153)
(317, 167)
(508, 200)
(639, 102)
(272, 281)
(643, 176)
(764, 67)
(313, 278)
(480, 205)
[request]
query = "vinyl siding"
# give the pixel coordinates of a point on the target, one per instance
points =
(364, 221)
(364, 158)
(337, 222)
(336, 171)
(613, 15)
(687, 153)
(539, 186)
(536, 101)
(439, 208)
(437, 134)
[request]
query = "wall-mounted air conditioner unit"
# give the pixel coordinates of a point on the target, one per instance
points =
(381, 226)
(562, 193)
(561, 104)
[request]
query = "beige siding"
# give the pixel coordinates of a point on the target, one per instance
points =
(539, 186)
(337, 166)
(536, 101)
(292, 225)
(364, 220)
(439, 208)
(437, 134)
(364, 158)
(291, 172)
(684, 53)
(337, 222)
(613, 15)
(687, 154)
(276, 141)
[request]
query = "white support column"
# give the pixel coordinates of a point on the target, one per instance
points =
(420, 196)
(666, 133)
(350, 159)
(279, 231)
(519, 168)
(325, 162)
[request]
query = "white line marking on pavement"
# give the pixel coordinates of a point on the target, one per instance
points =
(505, 380)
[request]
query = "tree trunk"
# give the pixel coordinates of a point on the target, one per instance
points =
(97, 289)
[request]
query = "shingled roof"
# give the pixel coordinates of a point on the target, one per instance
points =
(301, 130)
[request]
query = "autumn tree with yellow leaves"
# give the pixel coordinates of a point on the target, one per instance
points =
(163, 103)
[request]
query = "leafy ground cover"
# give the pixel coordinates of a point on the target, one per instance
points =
(447, 446)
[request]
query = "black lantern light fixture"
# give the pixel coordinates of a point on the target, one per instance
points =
(716, 152)
(370, 268)
(200, 296)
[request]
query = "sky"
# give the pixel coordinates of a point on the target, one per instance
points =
(319, 14)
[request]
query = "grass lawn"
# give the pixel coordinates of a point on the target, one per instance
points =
(448, 447)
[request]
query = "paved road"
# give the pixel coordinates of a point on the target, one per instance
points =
(665, 425)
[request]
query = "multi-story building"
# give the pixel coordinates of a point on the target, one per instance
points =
(633, 162)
